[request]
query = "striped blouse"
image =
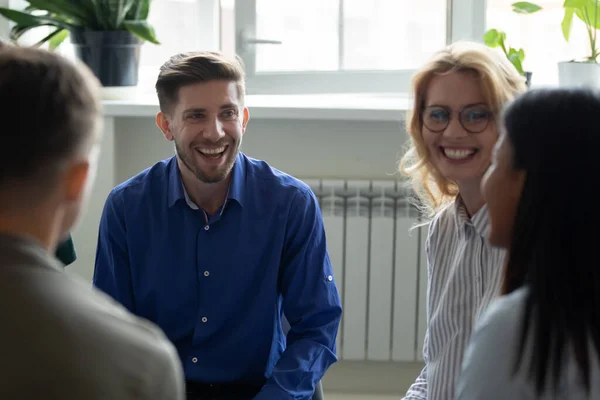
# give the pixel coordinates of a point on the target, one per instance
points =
(464, 275)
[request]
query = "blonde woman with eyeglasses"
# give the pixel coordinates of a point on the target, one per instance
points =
(457, 95)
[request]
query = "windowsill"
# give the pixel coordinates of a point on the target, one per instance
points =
(346, 107)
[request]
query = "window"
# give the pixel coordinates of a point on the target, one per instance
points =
(317, 46)
(340, 35)
(540, 36)
(312, 46)
(181, 25)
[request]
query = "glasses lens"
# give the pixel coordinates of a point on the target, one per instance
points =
(475, 119)
(435, 118)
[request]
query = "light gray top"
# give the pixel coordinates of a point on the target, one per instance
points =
(490, 357)
(62, 339)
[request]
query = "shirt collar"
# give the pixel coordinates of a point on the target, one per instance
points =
(479, 222)
(25, 248)
(176, 191)
(238, 179)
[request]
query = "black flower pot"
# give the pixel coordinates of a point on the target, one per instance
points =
(113, 56)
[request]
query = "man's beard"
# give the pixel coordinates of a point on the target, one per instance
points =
(217, 175)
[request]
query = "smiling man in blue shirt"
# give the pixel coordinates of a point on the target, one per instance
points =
(215, 247)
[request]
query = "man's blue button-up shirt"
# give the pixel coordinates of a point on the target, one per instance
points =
(219, 285)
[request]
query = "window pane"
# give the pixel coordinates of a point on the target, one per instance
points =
(377, 34)
(540, 36)
(308, 30)
(227, 28)
(177, 24)
(392, 34)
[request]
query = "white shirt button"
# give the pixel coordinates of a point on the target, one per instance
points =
(330, 278)
(194, 360)
(206, 273)
(206, 227)
(204, 319)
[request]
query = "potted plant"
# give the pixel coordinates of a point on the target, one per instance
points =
(107, 34)
(497, 38)
(585, 71)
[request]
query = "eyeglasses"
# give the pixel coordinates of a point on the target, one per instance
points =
(473, 118)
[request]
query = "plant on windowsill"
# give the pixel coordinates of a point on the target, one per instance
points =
(107, 34)
(496, 38)
(585, 71)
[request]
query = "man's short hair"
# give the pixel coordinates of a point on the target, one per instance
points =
(51, 109)
(196, 67)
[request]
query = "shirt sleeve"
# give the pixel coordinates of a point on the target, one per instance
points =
(172, 382)
(311, 304)
(111, 272)
(418, 390)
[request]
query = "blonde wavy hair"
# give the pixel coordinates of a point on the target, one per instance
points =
(500, 83)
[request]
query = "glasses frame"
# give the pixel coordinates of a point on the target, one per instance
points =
(451, 114)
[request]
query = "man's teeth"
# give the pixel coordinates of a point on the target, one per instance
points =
(212, 151)
(458, 154)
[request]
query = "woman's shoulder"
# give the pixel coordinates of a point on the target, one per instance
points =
(443, 220)
(490, 357)
(504, 312)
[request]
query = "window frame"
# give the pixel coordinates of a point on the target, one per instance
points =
(465, 21)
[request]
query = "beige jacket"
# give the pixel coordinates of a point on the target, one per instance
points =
(62, 339)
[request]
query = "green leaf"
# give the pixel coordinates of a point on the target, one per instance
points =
(98, 15)
(61, 7)
(117, 11)
(502, 38)
(127, 7)
(51, 36)
(93, 19)
(492, 38)
(101, 14)
(17, 31)
(525, 7)
(567, 22)
(589, 15)
(139, 11)
(515, 58)
(21, 18)
(59, 36)
(144, 9)
(575, 3)
(521, 53)
(25, 22)
(142, 29)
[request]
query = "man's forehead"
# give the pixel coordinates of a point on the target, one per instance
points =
(208, 95)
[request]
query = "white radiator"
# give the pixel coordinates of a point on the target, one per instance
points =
(379, 266)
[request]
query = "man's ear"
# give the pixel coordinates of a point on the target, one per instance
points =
(246, 119)
(163, 123)
(75, 180)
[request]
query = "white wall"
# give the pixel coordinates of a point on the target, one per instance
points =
(303, 148)
(86, 232)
